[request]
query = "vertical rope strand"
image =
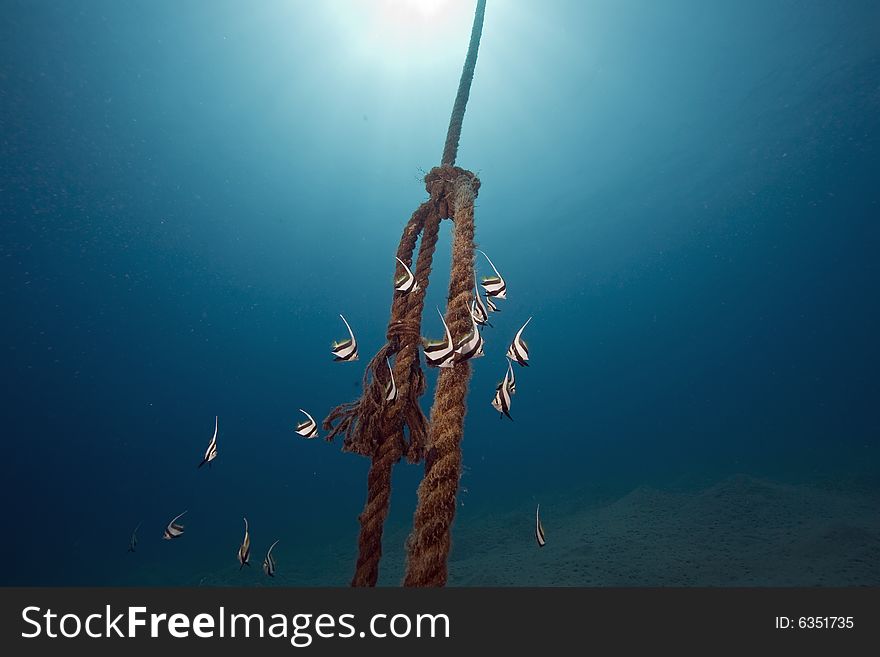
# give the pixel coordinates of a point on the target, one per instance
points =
(429, 543)
(453, 134)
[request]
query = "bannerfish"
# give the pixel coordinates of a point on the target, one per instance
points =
(518, 349)
(494, 285)
(211, 452)
(492, 307)
(346, 350)
(478, 308)
(406, 282)
(269, 561)
(307, 428)
(440, 353)
(390, 387)
(501, 400)
(539, 528)
(133, 541)
(472, 345)
(511, 384)
(244, 552)
(173, 529)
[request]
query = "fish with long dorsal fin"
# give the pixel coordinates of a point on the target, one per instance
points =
(390, 387)
(518, 349)
(511, 384)
(478, 308)
(491, 306)
(244, 551)
(211, 452)
(472, 345)
(494, 285)
(133, 541)
(173, 529)
(406, 282)
(440, 353)
(345, 350)
(501, 400)
(307, 428)
(539, 528)
(269, 561)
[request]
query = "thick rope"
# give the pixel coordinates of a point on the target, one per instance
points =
(453, 134)
(387, 431)
(372, 426)
(428, 544)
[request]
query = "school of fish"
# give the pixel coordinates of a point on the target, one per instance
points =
(443, 353)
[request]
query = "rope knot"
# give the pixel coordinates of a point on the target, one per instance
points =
(442, 184)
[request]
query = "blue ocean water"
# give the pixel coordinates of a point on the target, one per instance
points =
(682, 194)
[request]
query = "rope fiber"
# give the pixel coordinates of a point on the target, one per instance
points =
(388, 431)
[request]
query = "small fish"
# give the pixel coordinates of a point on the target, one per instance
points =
(406, 282)
(440, 353)
(472, 345)
(269, 561)
(133, 541)
(211, 452)
(390, 387)
(511, 384)
(478, 308)
(501, 400)
(539, 528)
(173, 529)
(518, 349)
(494, 285)
(346, 350)
(307, 428)
(244, 552)
(492, 307)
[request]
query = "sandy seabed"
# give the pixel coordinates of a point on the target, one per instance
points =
(740, 531)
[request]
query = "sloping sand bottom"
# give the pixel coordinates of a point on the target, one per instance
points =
(741, 531)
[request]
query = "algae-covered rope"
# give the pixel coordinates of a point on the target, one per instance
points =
(453, 134)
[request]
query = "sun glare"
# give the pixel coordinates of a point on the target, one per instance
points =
(400, 34)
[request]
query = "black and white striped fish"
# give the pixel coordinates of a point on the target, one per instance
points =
(511, 384)
(173, 529)
(440, 353)
(211, 452)
(494, 285)
(518, 349)
(345, 350)
(244, 552)
(307, 428)
(472, 345)
(478, 308)
(406, 282)
(133, 541)
(390, 387)
(539, 528)
(491, 305)
(501, 400)
(269, 561)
